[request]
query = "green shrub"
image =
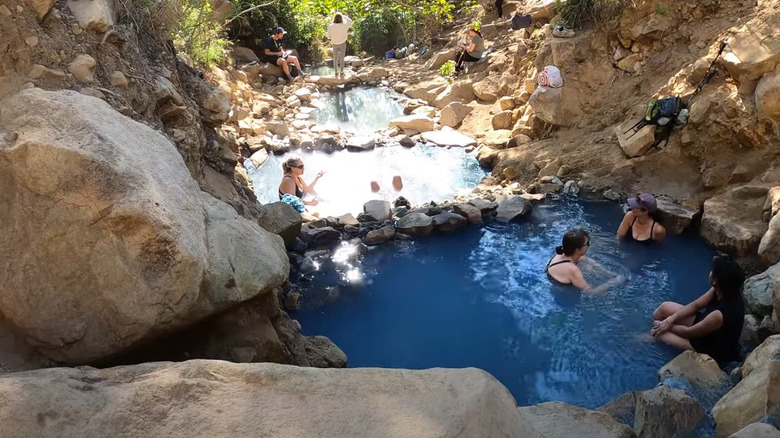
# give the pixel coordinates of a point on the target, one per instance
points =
(577, 13)
(447, 68)
(197, 34)
(660, 9)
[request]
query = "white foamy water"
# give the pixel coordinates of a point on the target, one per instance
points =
(429, 173)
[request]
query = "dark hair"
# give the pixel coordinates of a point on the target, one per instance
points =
(572, 241)
(288, 165)
(337, 18)
(728, 275)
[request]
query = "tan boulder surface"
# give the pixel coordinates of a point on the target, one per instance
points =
(107, 239)
(220, 399)
(560, 420)
(757, 430)
(732, 221)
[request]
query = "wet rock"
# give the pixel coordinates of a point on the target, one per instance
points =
(448, 222)
(732, 221)
(280, 218)
(406, 141)
(757, 430)
(622, 408)
(448, 138)
(675, 218)
(571, 188)
(487, 156)
(83, 68)
(766, 328)
(760, 290)
(94, 15)
(415, 224)
(757, 396)
(292, 300)
(417, 123)
(303, 94)
(511, 208)
(749, 337)
(377, 210)
(635, 144)
(375, 237)
(323, 237)
(611, 195)
(348, 219)
(425, 110)
(119, 80)
(560, 420)
(698, 374)
(471, 212)
(665, 412)
(484, 205)
(361, 143)
(454, 113)
(769, 246)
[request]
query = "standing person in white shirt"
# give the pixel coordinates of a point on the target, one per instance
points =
(337, 32)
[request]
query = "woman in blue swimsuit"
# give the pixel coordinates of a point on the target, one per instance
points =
(293, 183)
(639, 224)
(563, 268)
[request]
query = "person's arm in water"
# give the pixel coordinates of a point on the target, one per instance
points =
(624, 225)
(578, 281)
(661, 327)
(596, 266)
(709, 324)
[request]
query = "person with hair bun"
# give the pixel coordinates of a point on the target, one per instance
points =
(563, 268)
(293, 183)
(712, 324)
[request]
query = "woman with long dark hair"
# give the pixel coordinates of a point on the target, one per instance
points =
(640, 224)
(712, 324)
(293, 183)
(563, 269)
(338, 31)
(470, 50)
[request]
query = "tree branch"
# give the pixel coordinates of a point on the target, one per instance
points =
(253, 8)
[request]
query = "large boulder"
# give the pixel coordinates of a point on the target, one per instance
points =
(760, 292)
(107, 241)
(502, 120)
(732, 221)
(511, 208)
(244, 55)
(757, 396)
(635, 144)
(757, 430)
(415, 122)
(322, 237)
(698, 374)
(439, 58)
(95, 15)
(216, 398)
(469, 211)
(460, 91)
(768, 96)
(622, 408)
(454, 113)
(560, 420)
(675, 218)
(373, 74)
(378, 210)
(487, 89)
(748, 58)
(554, 105)
(415, 224)
(667, 413)
(448, 222)
(427, 90)
(769, 246)
(448, 138)
(282, 219)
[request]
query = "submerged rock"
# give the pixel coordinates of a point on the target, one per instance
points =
(415, 224)
(622, 408)
(343, 403)
(666, 413)
(375, 237)
(511, 208)
(560, 420)
(698, 374)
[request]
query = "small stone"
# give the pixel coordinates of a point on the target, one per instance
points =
(119, 80)
(83, 68)
(76, 29)
(31, 41)
(4, 11)
(292, 301)
(40, 72)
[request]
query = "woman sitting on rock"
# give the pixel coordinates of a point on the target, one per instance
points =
(563, 268)
(293, 183)
(712, 324)
(640, 224)
(470, 50)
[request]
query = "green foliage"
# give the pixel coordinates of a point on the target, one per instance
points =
(577, 13)
(196, 33)
(476, 25)
(660, 9)
(447, 68)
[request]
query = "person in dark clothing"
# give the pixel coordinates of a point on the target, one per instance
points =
(275, 53)
(712, 324)
(470, 50)
(500, 8)
(564, 268)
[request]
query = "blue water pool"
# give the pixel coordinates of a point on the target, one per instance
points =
(480, 299)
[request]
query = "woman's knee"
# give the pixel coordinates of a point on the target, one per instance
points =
(291, 58)
(665, 310)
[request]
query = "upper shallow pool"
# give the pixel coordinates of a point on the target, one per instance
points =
(359, 109)
(480, 298)
(429, 174)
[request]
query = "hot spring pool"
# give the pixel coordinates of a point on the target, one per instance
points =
(480, 298)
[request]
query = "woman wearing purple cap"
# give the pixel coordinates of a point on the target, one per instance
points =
(639, 224)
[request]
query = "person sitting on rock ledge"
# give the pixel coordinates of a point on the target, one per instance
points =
(563, 268)
(470, 50)
(275, 53)
(397, 184)
(293, 183)
(640, 223)
(712, 324)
